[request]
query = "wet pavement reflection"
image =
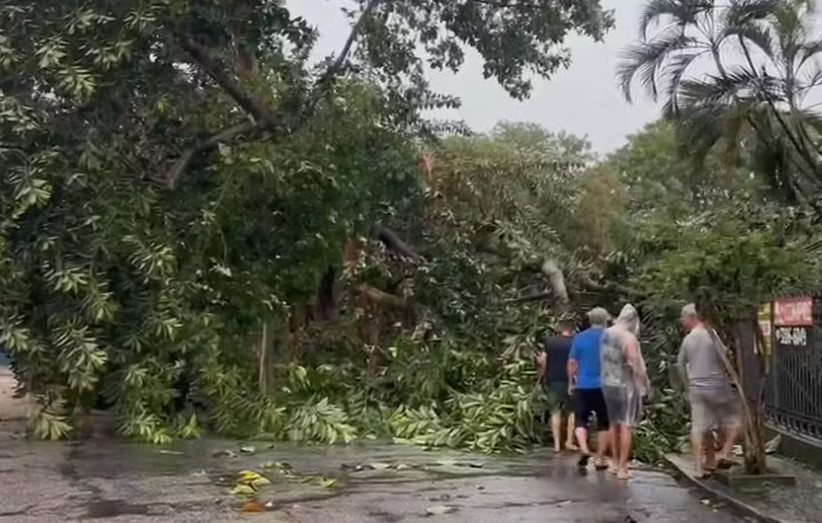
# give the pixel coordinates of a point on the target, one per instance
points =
(108, 480)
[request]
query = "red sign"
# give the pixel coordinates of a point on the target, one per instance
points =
(793, 312)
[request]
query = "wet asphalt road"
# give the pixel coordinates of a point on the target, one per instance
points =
(115, 482)
(107, 480)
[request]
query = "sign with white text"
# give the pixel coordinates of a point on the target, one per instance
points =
(793, 312)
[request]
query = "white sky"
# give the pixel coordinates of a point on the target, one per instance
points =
(584, 99)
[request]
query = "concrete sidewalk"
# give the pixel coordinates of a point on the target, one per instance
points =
(766, 502)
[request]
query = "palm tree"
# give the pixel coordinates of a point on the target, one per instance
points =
(737, 74)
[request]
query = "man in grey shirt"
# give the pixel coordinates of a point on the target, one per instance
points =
(714, 403)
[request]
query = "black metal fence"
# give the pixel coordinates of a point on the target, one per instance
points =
(793, 387)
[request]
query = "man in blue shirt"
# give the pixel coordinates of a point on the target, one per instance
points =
(585, 382)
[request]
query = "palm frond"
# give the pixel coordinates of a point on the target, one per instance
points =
(739, 84)
(753, 33)
(746, 20)
(681, 12)
(674, 74)
(742, 12)
(808, 51)
(646, 60)
(809, 119)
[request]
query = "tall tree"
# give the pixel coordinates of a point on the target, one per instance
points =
(762, 59)
(174, 171)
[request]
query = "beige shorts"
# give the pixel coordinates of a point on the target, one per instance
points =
(714, 409)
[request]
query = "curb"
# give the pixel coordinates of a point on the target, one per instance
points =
(718, 493)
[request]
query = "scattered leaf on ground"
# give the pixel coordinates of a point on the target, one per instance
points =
(252, 506)
(249, 476)
(248, 450)
(283, 466)
(260, 482)
(380, 466)
(225, 453)
(328, 482)
(242, 490)
(403, 466)
(170, 452)
(440, 510)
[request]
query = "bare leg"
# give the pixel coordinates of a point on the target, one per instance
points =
(569, 441)
(582, 440)
(625, 440)
(709, 447)
(614, 435)
(730, 434)
(603, 443)
(556, 429)
(696, 448)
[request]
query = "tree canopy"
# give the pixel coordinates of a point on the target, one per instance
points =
(184, 188)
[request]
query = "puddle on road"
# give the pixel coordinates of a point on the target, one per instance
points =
(112, 508)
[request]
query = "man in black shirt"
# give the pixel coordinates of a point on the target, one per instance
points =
(553, 375)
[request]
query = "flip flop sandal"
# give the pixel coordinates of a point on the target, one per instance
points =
(724, 464)
(705, 475)
(625, 476)
(583, 461)
(599, 467)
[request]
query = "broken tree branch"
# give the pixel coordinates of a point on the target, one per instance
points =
(393, 242)
(264, 119)
(533, 297)
(337, 66)
(220, 74)
(184, 161)
(556, 278)
(376, 295)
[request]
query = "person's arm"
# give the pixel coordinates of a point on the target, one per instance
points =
(631, 350)
(573, 366)
(682, 364)
(542, 366)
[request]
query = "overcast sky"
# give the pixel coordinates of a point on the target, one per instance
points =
(583, 99)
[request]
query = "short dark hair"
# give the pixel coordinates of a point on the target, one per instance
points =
(566, 325)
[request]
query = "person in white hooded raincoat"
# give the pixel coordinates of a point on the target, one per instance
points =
(624, 384)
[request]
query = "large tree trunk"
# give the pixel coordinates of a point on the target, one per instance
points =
(556, 278)
(752, 409)
(327, 296)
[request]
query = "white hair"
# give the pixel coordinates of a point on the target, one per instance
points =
(629, 318)
(690, 311)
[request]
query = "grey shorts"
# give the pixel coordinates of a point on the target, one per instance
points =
(714, 409)
(624, 405)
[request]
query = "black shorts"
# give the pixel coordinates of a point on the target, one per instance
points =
(587, 402)
(558, 398)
